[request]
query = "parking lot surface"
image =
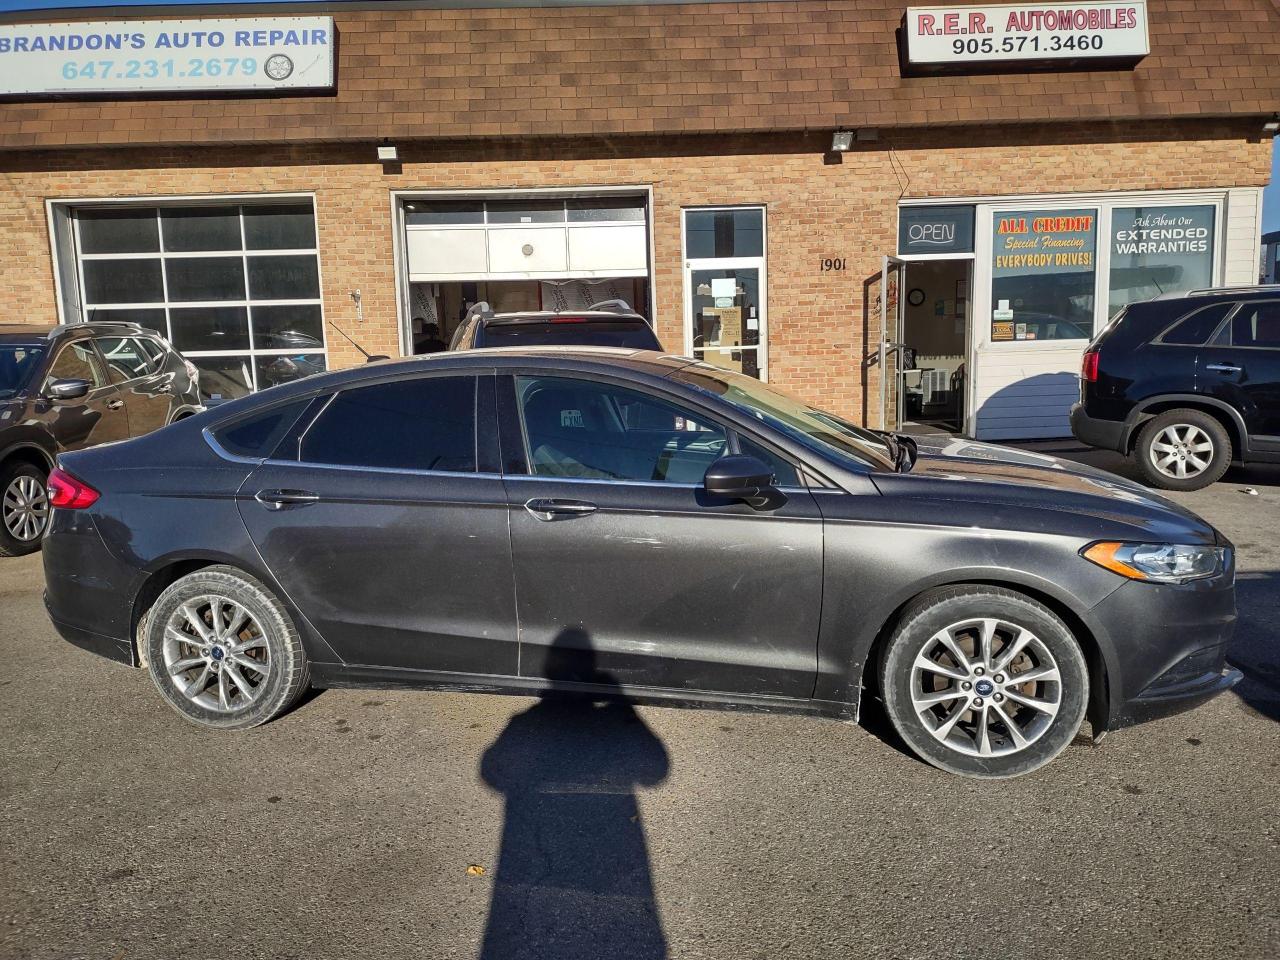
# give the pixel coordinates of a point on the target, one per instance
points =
(406, 824)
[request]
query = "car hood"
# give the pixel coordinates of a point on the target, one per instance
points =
(960, 469)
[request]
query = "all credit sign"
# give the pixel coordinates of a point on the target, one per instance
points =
(944, 36)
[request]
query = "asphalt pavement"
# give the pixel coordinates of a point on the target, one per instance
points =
(406, 824)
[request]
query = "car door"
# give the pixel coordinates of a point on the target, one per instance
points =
(626, 571)
(98, 417)
(147, 391)
(386, 523)
(1242, 367)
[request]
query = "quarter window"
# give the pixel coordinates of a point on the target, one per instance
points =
(235, 287)
(428, 423)
(1193, 330)
(587, 430)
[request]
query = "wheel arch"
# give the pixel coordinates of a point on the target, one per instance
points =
(28, 451)
(164, 571)
(1230, 418)
(1097, 656)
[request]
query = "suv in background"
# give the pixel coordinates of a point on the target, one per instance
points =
(611, 323)
(1186, 383)
(71, 387)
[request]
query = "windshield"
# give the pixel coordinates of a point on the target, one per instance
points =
(636, 335)
(17, 361)
(824, 432)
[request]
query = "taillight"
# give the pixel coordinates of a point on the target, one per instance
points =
(70, 493)
(1089, 367)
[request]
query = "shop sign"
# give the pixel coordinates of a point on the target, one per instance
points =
(935, 230)
(1025, 33)
(158, 56)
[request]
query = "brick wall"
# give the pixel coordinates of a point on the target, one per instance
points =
(678, 68)
(815, 210)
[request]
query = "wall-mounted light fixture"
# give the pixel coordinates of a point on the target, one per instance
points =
(388, 154)
(841, 141)
(1272, 126)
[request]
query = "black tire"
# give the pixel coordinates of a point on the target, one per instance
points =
(272, 688)
(12, 545)
(1183, 422)
(1053, 646)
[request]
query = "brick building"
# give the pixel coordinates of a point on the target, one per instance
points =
(785, 188)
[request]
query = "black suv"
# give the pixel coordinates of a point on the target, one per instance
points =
(1186, 383)
(71, 387)
(611, 323)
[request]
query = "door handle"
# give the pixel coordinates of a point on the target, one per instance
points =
(549, 509)
(279, 499)
(1222, 367)
(115, 404)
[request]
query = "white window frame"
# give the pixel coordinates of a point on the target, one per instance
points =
(759, 263)
(66, 252)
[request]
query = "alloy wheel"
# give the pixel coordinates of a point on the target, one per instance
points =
(216, 654)
(986, 687)
(1181, 451)
(25, 508)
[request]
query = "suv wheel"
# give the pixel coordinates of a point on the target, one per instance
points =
(24, 508)
(223, 650)
(1183, 450)
(983, 681)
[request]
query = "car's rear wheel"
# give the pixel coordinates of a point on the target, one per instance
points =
(983, 681)
(1183, 450)
(223, 650)
(24, 508)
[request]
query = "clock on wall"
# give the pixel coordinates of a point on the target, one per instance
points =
(915, 297)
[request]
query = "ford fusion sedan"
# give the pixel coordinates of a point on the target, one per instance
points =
(623, 523)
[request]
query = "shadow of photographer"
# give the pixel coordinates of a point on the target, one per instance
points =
(572, 877)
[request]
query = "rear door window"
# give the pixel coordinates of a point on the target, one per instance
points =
(1257, 325)
(125, 358)
(1196, 328)
(428, 423)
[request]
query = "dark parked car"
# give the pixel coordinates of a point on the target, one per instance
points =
(68, 387)
(1186, 384)
(608, 521)
(611, 323)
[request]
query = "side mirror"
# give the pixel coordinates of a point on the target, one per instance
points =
(68, 389)
(740, 477)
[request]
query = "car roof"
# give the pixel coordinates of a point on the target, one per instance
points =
(1264, 289)
(648, 363)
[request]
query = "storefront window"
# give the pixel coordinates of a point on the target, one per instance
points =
(1043, 274)
(1159, 249)
(725, 288)
(235, 288)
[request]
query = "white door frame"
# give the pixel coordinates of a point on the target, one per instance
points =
(729, 263)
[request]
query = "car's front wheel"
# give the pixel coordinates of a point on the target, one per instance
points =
(223, 650)
(1183, 450)
(984, 681)
(24, 508)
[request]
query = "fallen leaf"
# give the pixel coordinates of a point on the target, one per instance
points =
(1250, 491)
(475, 870)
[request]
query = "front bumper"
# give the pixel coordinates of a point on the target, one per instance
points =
(1169, 645)
(1104, 434)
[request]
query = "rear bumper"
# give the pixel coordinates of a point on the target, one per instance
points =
(1105, 434)
(104, 646)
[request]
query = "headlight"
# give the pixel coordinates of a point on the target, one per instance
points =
(1158, 562)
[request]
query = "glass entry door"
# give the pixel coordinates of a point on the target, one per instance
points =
(889, 356)
(726, 316)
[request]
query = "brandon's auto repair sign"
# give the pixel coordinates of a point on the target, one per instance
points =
(939, 36)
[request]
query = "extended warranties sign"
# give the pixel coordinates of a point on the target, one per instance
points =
(140, 56)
